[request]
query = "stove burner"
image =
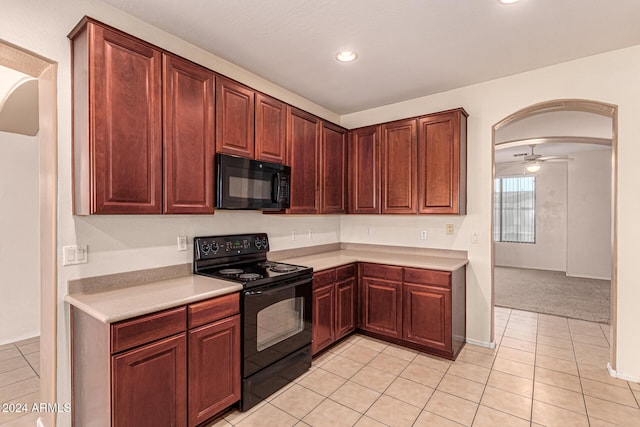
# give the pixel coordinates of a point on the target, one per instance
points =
(231, 271)
(283, 268)
(250, 276)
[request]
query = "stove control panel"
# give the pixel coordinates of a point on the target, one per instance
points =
(211, 247)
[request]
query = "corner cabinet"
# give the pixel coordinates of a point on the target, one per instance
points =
(381, 299)
(117, 123)
(334, 305)
(333, 169)
(399, 167)
(364, 170)
(176, 367)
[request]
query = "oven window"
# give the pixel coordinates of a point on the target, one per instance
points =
(241, 187)
(280, 321)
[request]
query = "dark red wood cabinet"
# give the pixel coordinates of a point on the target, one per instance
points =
(271, 129)
(334, 306)
(381, 299)
(333, 178)
(149, 385)
(189, 137)
(399, 167)
(364, 171)
(117, 124)
(303, 143)
(235, 116)
(442, 163)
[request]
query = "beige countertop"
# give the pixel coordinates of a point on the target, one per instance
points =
(112, 305)
(322, 261)
(122, 296)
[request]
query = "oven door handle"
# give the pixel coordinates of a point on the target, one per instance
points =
(277, 288)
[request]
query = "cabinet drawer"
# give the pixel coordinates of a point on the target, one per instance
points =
(379, 271)
(324, 278)
(208, 311)
(145, 329)
(431, 277)
(345, 272)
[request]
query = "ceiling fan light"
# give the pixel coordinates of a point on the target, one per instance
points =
(532, 168)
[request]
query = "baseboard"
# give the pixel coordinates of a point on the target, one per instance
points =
(622, 375)
(481, 343)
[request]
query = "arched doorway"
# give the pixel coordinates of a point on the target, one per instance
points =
(46, 72)
(589, 107)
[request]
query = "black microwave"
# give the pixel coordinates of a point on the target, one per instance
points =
(251, 184)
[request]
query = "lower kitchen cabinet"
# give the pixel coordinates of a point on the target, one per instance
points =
(418, 308)
(177, 367)
(149, 385)
(381, 299)
(214, 368)
(333, 305)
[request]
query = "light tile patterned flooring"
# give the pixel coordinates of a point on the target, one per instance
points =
(20, 380)
(545, 371)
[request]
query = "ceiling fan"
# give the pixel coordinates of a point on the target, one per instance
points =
(532, 161)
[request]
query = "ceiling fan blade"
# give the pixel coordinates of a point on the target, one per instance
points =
(544, 158)
(559, 159)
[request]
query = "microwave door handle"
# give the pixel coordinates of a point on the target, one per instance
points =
(275, 188)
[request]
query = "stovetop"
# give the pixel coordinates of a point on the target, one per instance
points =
(243, 259)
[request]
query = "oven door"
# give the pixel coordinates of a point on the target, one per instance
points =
(276, 323)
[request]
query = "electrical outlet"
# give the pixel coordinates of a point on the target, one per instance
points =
(72, 255)
(310, 234)
(424, 235)
(369, 232)
(293, 234)
(474, 239)
(450, 229)
(182, 243)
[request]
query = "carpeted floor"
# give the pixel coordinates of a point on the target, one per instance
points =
(552, 292)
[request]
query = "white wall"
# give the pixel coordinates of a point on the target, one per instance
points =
(41, 26)
(549, 250)
(19, 236)
(589, 226)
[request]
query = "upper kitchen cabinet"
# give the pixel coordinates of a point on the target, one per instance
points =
(399, 167)
(442, 163)
(188, 101)
(117, 123)
(333, 179)
(235, 115)
(303, 140)
(271, 129)
(364, 170)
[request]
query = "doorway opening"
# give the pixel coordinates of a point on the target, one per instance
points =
(551, 161)
(45, 71)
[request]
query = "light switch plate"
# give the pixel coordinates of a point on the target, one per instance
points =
(77, 254)
(182, 243)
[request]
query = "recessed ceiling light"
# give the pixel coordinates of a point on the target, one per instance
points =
(508, 1)
(346, 56)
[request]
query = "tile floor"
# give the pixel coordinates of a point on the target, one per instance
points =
(20, 380)
(544, 371)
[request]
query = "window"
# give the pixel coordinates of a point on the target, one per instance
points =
(514, 210)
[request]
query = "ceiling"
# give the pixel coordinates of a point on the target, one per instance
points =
(406, 49)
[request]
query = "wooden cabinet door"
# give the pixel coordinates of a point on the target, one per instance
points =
(188, 137)
(364, 170)
(323, 325)
(303, 134)
(427, 316)
(125, 125)
(235, 115)
(214, 368)
(345, 307)
(149, 385)
(399, 163)
(382, 306)
(271, 129)
(442, 163)
(333, 180)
